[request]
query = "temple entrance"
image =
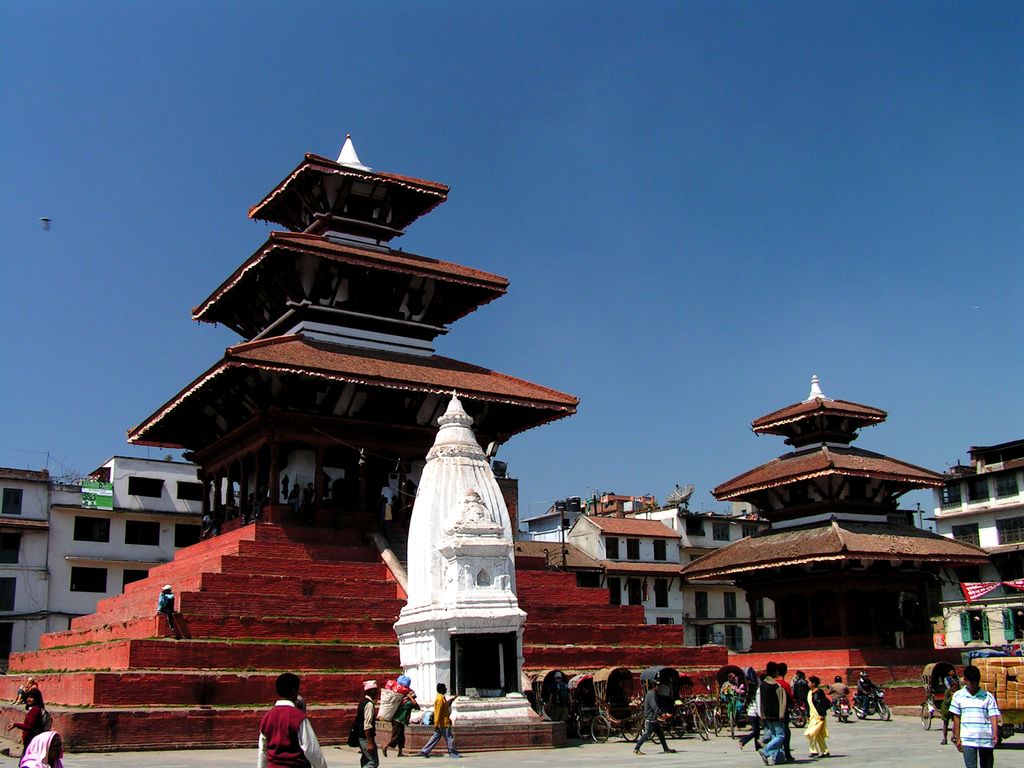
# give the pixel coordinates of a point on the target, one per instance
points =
(484, 662)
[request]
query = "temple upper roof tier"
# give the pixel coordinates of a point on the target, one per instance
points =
(337, 391)
(323, 195)
(832, 542)
(347, 284)
(818, 419)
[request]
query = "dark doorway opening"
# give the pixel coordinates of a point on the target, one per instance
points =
(484, 662)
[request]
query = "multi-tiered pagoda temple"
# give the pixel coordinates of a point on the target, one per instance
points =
(844, 565)
(336, 390)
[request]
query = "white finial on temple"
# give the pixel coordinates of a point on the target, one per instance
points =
(348, 155)
(816, 393)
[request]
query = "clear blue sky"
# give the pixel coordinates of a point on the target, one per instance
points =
(698, 205)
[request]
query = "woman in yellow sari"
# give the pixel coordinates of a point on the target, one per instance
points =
(817, 708)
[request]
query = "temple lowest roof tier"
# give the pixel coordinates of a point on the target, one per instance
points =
(340, 384)
(823, 462)
(837, 541)
(296, 267)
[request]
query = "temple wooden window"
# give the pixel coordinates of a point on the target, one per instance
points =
(720, 531)
(614, 591)
(132, 574)
(700, 604)
(88, 579)
(12, 501)
(611, 548)
(660, 552)
(92, 529)
(8, 588)
(10, 547)
(632, 549)
(1006, 485)
(190, 491)
(1013, 624)
(951, 495)
(977, 488)
(152, 487)
(1010, 530)
(967, 533)
(661, 593)
(974, 627)
(730, 605)
(143, 532)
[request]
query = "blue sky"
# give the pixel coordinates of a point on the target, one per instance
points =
(698, 205)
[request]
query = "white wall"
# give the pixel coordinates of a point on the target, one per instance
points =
(31, 584)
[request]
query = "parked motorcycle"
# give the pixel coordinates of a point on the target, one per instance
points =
(798, 715)
(872, 703)
(841, 707)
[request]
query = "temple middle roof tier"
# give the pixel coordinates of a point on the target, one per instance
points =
(344, 386)
(826, 461)
(321, 195)
(835, 541)
(358, 283)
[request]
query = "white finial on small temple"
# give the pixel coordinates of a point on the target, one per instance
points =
(816, 393)
(348, 155)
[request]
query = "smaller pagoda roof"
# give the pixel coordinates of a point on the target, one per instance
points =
(417, 196)
(773, 422)
(823, 461)
(630, 526)
(832, 542)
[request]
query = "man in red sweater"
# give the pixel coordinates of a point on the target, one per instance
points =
(286, 736)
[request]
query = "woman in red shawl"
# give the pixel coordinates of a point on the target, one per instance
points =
(33, 724)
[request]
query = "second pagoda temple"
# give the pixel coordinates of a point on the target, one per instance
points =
(333, 395)
(843, 564)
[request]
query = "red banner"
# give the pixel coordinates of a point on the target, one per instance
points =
(974, 589)
(1016, 583)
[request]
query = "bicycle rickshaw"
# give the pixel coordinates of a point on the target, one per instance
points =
(675, 696)
(729, 708)
(540, 685)
(617, 709)
(582, 704)
(934, 678)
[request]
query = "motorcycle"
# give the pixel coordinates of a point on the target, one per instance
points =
(841, 708)
(798, 715)
(872, 703)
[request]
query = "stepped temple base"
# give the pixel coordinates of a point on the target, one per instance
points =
(483, 737)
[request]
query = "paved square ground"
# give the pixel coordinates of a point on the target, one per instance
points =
(901, 743)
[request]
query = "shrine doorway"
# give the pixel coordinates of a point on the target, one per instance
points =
(486, 662)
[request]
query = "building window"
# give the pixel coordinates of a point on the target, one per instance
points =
(186, 535)
(967, 533)
(700, 604)
(734, 637)
(12, 501)
(92, 529)
(190, 491)
(143, 532)
(8, 587)
(951, 496)
(705, 634)
(730, 605)
(694, 526)
(764, 632)
(1010, 530)
(720, 531)
(977, 488)
(664, 620)
(611, 548)
(634, 589)
(614, 591)
(6, 635)
(661, 593)
(974, 626)
(749, 529)
(759, 608)
(145, 486)
(88, 579)
(632, 549)
(660, 552)
(1006, 485)
(1013, 624)
(131, 575)
(10, 547)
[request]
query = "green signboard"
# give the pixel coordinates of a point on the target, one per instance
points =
(97, 495)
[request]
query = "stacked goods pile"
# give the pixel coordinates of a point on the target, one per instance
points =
(1004, 679)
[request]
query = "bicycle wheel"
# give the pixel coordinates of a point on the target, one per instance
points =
(926, 716)
(883, 711)
(798, 719)
(700, 725)
(714, 720)
(631, 728)
(732, 723)
(599, 729)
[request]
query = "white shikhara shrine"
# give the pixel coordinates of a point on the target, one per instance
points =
(462, 624)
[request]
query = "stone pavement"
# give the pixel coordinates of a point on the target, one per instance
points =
(902, 743)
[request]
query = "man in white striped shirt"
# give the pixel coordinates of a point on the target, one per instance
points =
(975, 721)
